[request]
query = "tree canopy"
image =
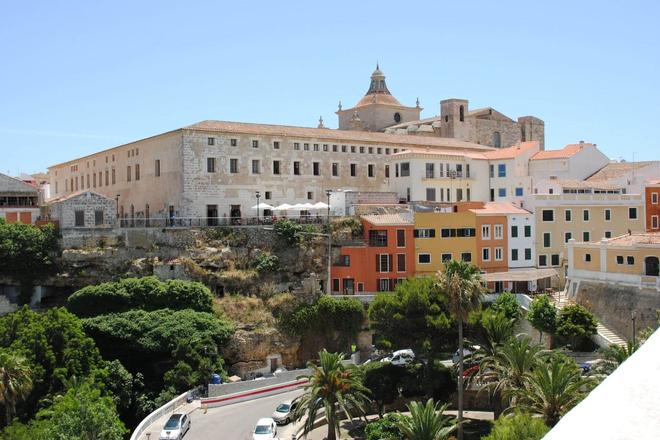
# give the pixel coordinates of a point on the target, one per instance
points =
(576, 324)
(542, 315)
(506, 303)
(518, 426)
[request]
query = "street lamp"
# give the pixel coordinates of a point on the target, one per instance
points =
(327, 193)
(633, 316)
(258, 195)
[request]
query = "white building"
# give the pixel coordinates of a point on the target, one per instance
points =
(508, 172)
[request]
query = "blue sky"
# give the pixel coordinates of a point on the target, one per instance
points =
(77, 77)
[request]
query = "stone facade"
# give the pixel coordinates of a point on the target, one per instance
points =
(84, 210)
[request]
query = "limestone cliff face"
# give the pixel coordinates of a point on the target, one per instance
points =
(249, 350)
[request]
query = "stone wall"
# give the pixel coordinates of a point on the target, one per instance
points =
(612, 304)
(89, 202)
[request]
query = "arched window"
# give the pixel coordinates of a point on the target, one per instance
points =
(651, 266)
(497, 139)
(461, 113)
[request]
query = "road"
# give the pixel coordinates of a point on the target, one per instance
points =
(236, 422)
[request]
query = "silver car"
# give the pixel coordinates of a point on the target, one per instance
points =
(284, 412)
(175, 427)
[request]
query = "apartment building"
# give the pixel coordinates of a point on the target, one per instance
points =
(384, 258)
(19, 201)
(652, 203)
(508, 172)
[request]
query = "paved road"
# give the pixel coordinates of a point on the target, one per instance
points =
(236, 422)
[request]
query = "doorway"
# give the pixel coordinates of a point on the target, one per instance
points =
(211, 215)
(235, 214)
(651, 266)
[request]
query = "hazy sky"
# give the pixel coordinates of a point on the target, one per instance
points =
(77, 77)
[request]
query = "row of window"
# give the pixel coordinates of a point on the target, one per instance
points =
(543, 260)
(91, 181)
(527, 231)
(425, 258)
(430, 170)
(518, 192)
(548, 215)
(384, 285)
(501, 170)
(431, 195)
(378, 237)
(316, 147)
(586, 236)
(296, 168)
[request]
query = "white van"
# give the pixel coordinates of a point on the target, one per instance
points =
(401, 357)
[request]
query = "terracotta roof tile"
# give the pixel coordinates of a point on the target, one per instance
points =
(402, 218)
(564, 153)
(614, 170)
(499, 208)
(513, 151)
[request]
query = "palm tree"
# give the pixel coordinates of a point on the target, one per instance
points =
(15, 381)
(463, 285)
(497, 330)
(552, 389)
(426, 422)
(614, 355)
(332, 386)
(505, 370)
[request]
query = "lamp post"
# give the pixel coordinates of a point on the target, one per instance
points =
(258, 195)
(633, 316)
(327, 194)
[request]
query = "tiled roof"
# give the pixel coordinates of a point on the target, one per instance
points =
(597, 184)
(402, 218)
(76, 194)
(10, 185)
(331, 135)
(378, 98)
(566, 152)
(499, 208)
(513, 151)
(614, 170)
(441, 152)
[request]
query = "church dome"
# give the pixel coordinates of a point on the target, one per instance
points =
(378, 92)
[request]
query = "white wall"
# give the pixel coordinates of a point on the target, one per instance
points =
(521, 242)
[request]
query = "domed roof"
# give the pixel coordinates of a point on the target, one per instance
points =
(378, 92)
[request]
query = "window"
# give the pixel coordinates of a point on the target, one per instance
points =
(424, 233)
(268, 195)
(543, 260)
(514, 254)
(608, 234)
(343, 148)
(608, 215)
(296, 168)
(379, 150)
(370, 170)
(310, 195)
(94, 180)
(619, 259)
(492, 170)
(335, 169)
(514, 231)
(485, 232)
(567, 236)
(233, 142)
(459, 194)
(501, 192)
(276, 167)
(210, 141)
(585, 215)
(430, 171)
(554, 259)
(353, 168)
(210, 164)
(79, 218)
(377, 238)
(400, 238)
(334, 148)
(137, 173)
(546, 240)
(497, 139)
(548, 215)
(98, 217)
(466, 256)
(113, 176)
(233, 166)
(296, 146)
(256, 166)
(405, 169)
(632, 213)
(654, 198)
(587, 258)
(501, 170)
(352, 148)
(519, 192)
(361, 150)
(316, 167)
(316, 147)
(383, 263)
(400, 262)
(128, 173)
(445, 257)
(387, 171)
(568, 215)
(585, 236)
(485, 254)
(498, 254)
(630, 260)
(499, 232)
(255, 144)
(383, 285)
(335, 284)
(654, 222)
(528, 231)
(424, 258)
(430, 194)
(528, 254)
(276, 145)
(156, 170)
(107, 174)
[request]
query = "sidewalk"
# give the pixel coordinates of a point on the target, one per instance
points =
(153, 431)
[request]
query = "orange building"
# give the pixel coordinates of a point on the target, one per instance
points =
(380, 261)
(492, 241)
(652, 197)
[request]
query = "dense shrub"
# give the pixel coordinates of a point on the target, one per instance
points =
(506, 303)
(542, 315)
(576, 325)
(267, 263)
(384, 429)
(288, 230)
(518, 426)
(147, 293)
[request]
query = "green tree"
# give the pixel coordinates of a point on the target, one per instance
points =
(332, 387)
(15, 381)
(576, 324)
(382, 379)
(614, 355)
(507, 304)
(518, 426)
(415, 316)
(463, 285)
(386, 428)
(26, 253)
(552, 389)
(497, 329)
(80, 413)
(426, 422)
(542, 315)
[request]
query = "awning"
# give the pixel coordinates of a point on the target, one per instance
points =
(520, 275)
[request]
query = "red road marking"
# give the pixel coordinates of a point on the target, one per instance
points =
(255, 392)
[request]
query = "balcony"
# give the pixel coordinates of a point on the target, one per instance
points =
(444, 178)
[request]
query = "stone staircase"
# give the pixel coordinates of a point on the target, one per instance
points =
(605, 335)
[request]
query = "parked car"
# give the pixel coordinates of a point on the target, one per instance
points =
(175, 427)
(467, 351)
(266, 429)
(284, 412)
(401, 357)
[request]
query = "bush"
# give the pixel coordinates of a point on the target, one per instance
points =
(542, 315)
(147, 293)
(518, 426)
(506, 303)
(287, 229)
(385, 428)
(576, 324)
(267, 263)
(382, 379)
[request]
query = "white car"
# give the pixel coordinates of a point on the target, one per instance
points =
(401, 357)
(266, 429)
(467, 351)
(284, 412)
(175, 427)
